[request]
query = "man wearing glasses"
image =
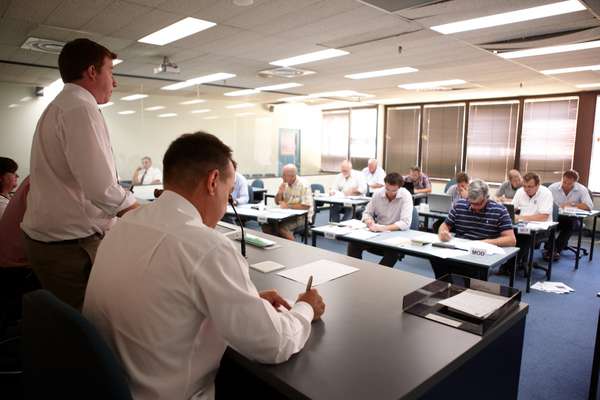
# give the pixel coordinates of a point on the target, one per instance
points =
(390, 209)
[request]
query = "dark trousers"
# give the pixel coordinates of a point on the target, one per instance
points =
(566, 227)
(443, 267)
(336, 209)
(524, 245)
(389, 256)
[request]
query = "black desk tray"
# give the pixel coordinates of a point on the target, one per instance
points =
(424, 302)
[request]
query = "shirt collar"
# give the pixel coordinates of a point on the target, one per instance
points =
(72, 87)
(177, 202)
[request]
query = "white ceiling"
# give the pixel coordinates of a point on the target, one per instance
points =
(246, 39)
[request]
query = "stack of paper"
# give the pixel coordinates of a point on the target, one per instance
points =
(353, 223)
(398, 241)
(361, 234)
(336, 230)
(425, 238)
(552, 287)
(475, 303)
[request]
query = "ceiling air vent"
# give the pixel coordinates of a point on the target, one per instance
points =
(43, 45)
(284, 72)
(392, 6)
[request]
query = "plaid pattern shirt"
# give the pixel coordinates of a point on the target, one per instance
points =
(299, 193)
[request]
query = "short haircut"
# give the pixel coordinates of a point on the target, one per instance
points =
(571, 174)
(394, 178)
(191, 157)
(513, 173)
(532, 175)
(462, 177)
(146, 158)
(415, 168)
(478, 189)
(7, 165)
(77, 55)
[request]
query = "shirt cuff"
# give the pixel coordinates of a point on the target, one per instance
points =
(128, 201)
(401, 225)
(304, 309)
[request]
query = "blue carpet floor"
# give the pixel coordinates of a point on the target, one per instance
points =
(560, 329)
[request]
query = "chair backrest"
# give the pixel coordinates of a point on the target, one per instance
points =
(63, 354)
(317, 186)
(554, 212)
(448, 184)
(258, 183)
(414, 223)
(547, 184)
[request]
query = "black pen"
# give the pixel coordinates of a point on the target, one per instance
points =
(309, 284)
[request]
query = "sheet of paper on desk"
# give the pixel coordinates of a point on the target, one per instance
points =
(475, 303)
(336, 230)
(488, 247)
(426, 238)
(535, 225)
(575, 210)
(322, 271)
(398, 241)
(361, 234)
(446, 253)
(353, 223)
(267, 266)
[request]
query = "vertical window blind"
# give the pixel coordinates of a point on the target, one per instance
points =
(402, 138)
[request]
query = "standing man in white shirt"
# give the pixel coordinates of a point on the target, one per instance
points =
(374, 175)
(390, 209)
(74, 195)
(349, 182)
(294, 192)
(146, 174)
(170, 313)
(533, 202)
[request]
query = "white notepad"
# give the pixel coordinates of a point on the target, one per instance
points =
(322, 271)
(267, 266)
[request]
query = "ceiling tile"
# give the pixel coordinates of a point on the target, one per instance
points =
(76, 13)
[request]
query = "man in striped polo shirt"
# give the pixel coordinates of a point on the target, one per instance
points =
(476, 218)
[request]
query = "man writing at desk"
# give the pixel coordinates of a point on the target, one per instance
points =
(294, 192)
(348, 182)
(169, 293)
(390, 209)
(475, 218)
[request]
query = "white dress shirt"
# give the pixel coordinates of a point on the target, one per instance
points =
(541, 203)
(3, 204)
(355, 180)
(240, 189)
(579, 194)
(74, 191)
(376, 177)
(169, 294)
(398, 211)
(150, 175)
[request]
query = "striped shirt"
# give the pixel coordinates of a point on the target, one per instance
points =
(488, 223)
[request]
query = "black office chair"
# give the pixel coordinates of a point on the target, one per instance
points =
(257, 197)
(251, 198)
(258, 183)
(319, 205)
(64, 357)
(582, 252)
(414, 224)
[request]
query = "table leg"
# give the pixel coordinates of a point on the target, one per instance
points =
(314, 239)
(553, 240)
(530, 263)
(306, 228)
(426, 223)
(578, 243)
(353, 211)
(593, 238)
(513, 272)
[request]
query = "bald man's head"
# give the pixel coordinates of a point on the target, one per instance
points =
(346, 168)
(289, 173)
(372, 165)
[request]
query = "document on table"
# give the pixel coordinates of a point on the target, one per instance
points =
(475, 303)
(398, 241)
(426, 238)
(362, 234)
(267, 266)
(353, 223)
(445, 253)
(535, 225)
(322, 271)
(335, 230)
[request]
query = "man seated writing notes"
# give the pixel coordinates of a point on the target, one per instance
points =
(294, 192)
(476, 218)
(390, 209)
(349, 182)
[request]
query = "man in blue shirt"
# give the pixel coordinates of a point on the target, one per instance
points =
(240, 189)
(475, 218)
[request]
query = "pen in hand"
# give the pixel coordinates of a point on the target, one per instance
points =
(309, 284)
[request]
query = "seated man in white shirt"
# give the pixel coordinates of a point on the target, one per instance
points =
(169, 293)
(348, 182)
(374, 176)
(533, 202)
(294, 192)
(146, 174)
(568, 193)
(390, 209)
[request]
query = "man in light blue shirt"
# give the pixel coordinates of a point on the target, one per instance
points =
(240, 189)
(572, 194)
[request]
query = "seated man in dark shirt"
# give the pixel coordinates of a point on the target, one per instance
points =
(475, 218)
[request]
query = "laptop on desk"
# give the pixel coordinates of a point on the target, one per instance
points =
(439, 202)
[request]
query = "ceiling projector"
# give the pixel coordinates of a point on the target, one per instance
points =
(166, 67)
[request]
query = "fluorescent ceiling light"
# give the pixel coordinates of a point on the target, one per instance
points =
(133, 97)
(195, 101)
(526, 14)
(383, 72)
(212, 117)
(588, 85)
(550, 50)
(13, 105)
(340, 93)
(110, 103)
(24, 99)
(200, 111)
(244, 92)
(569, 70)
(154, 108)
(244, 114)
(117, 61)
(281, 86)
(309, 57)
(431, 85)
(167, 115)
(180, 29)
(126, 112)
(241, 105)
(220, 76)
